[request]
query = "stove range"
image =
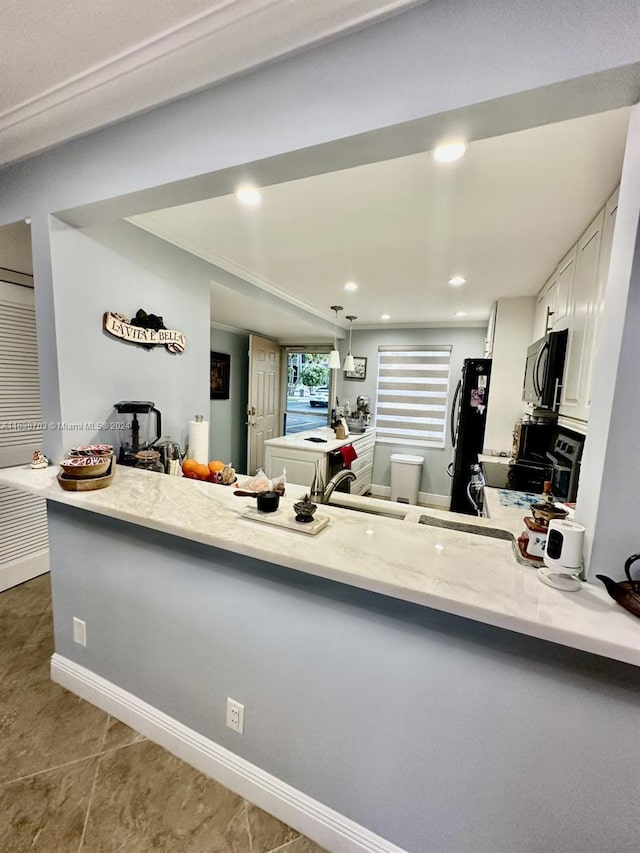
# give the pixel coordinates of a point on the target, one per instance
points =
(516, 475)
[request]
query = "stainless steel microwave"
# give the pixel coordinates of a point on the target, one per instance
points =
(544, 370)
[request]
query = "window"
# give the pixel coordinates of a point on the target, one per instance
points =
(412, 391)
(308, 389)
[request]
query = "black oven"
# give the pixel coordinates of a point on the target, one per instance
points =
(565, 461)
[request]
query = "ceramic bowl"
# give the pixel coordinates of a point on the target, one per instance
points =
(79, 467)
(92, 450)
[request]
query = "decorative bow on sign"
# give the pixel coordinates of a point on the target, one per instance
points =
(146, 330)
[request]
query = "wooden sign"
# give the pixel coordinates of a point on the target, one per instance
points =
(146, 330)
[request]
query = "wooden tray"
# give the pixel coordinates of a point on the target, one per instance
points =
(87, 484)
(286, 519)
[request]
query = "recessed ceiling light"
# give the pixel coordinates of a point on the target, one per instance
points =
(249, 195)
(449, 153)
(351, 285)
(385, 316)
(457, 280)
(461, 313)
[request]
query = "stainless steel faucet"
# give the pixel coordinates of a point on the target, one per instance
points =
(322, 497)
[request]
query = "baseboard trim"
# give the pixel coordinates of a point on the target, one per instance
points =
(23, 570)
(318, 822)
(426, 498)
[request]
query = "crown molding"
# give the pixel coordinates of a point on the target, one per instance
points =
(148, 222)
(222, 42)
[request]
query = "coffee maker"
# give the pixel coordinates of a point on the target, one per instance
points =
(140, 431)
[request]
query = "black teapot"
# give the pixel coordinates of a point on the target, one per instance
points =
(626, 593)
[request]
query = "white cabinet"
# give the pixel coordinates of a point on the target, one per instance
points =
(564, 291)
(300, 464)
(553, 301)
(573, 299)
(545, 308)
(610, 211)
(491, 331)
(583, 295)
(300, 461)
(363, 466)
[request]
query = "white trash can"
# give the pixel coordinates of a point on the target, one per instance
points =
(406, 472)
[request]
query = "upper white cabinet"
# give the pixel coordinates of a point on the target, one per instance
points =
(608, 225)
(574, 403)
(573, 299)
(491, 331)
(545, 308)
(564, 290)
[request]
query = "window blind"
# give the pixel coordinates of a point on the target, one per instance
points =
(412, 392)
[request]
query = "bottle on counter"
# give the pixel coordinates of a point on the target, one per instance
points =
(317, 484)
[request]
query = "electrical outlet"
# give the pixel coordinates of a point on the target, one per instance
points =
(235, 716)
(79, 631)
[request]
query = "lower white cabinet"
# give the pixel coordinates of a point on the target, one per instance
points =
(300, 462)
(362, 467)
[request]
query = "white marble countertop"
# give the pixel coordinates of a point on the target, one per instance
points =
(299, 440)
(460, 573)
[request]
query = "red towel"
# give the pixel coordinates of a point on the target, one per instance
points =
(348, 453)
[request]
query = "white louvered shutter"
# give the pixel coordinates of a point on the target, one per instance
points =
(23, 518)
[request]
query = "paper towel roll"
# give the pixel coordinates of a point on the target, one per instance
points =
(199, 440)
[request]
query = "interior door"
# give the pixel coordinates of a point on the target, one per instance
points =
(263, 410)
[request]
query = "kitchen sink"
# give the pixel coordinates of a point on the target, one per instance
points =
(399, 515)
(369, 506)
(493, 532)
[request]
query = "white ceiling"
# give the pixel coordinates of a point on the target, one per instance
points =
(71, 66)
(502, 216)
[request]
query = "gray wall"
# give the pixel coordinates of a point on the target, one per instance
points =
(436, 732)
(227, 425)
(465, 343)
(119, 268)
(394, 72)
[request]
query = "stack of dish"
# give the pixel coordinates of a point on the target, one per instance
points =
(87, 467)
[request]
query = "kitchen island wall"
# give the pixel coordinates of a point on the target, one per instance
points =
(465, 343)
(437, 733)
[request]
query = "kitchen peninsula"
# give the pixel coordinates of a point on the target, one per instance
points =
(323, 638)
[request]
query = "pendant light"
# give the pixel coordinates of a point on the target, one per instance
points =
(334, 357)
(349, 365)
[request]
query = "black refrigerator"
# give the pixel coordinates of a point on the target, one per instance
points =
(467, 421)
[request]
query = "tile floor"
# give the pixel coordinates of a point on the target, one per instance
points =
(72, 778)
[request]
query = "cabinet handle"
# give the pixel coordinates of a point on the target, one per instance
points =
(547, 327)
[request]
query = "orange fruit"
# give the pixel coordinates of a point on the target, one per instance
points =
(201, 471)
(215, 466)
(189, 465)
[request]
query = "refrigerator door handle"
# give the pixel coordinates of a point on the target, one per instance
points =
(453, 422)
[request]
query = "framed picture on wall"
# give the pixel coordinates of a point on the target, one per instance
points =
(219, 377)
(359, 369)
